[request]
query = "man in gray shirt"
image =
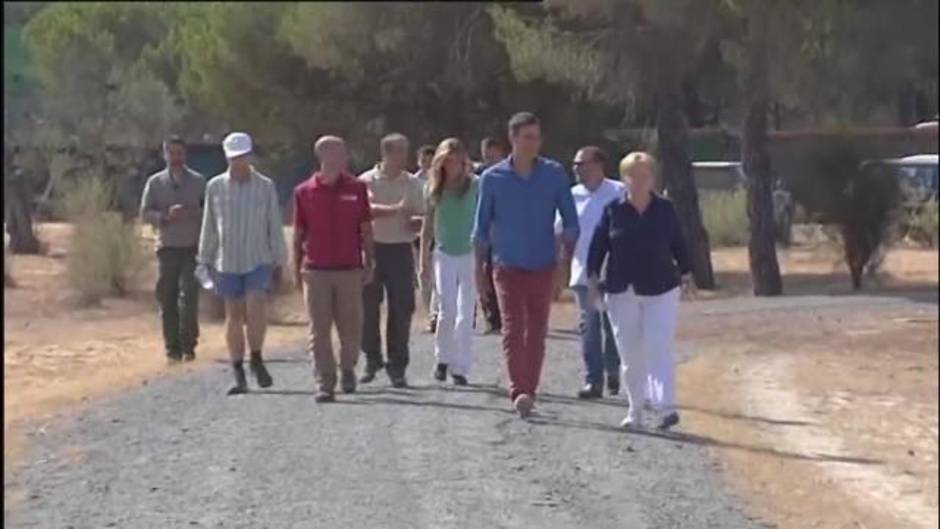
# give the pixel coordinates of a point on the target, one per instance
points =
(172, 203)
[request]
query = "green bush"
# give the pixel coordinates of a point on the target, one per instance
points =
(923, 224)
(725, 217)
(106, 254)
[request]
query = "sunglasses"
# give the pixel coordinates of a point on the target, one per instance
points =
(578, 165)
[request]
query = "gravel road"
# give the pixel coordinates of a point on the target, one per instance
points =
(177, 453)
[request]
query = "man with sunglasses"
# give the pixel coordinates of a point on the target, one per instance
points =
(598, 348)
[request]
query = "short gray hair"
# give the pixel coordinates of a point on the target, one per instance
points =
(392, 140)
(323, 141)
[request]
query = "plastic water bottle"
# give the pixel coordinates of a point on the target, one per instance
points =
(204, 277)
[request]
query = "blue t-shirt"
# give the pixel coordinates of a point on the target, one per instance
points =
(516, 215)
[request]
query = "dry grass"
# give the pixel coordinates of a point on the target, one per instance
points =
(725, 218)
(924, 223)
(106, 254)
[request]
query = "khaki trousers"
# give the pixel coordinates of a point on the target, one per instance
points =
(333, 296)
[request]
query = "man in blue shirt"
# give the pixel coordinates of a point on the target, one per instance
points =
(519, 198)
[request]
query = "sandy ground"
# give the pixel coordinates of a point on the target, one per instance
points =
(862, 384)
(839, 408)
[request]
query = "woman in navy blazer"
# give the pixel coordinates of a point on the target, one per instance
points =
(647, 263)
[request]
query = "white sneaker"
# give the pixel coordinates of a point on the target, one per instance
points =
(523, 405)
(633, 421)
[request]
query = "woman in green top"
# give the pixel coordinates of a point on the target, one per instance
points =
(451, 203)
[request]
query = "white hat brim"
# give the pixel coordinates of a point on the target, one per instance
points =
(236, 153)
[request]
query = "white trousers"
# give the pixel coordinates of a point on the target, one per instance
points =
(454, 280)
(645, 328)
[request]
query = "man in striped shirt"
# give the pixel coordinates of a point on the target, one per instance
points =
(242, 241)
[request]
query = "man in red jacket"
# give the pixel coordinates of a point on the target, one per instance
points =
(333, 257)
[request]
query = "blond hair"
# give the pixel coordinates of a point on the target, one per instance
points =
(450, 146)
(636, 158)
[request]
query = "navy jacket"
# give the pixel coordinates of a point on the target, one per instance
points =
(645, 251)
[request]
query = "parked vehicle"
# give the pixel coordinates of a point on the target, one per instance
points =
(726, 177)
(917, 176)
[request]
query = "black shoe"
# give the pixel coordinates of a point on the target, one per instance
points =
(189, 356)
(591, 391)
(369, 374)
(348, 381)
(459, 380)
(241, 382)
(260, 372)
(613, 385)
(324, 396)
(668, 421)
(440, 372)
(398, 381)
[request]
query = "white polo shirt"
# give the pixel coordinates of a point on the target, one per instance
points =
(590, 207)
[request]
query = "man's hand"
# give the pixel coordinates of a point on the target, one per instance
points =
(368, 274)
(595, 297)
(483, 283)
(401, 207)
(299, 279)
(425, 271)
(175, 212)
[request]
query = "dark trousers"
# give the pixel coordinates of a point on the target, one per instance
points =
(178, 294)
(394, 276)
(489, 303)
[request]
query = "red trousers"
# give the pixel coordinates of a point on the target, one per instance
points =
(525, 300)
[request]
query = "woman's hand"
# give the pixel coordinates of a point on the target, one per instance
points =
(687, 286)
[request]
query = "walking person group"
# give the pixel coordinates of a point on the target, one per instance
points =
(486, 233)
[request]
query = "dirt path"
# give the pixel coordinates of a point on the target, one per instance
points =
(782, 391)
(178, 454)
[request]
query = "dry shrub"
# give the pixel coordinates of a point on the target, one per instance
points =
(923, 224)
(725, 217)
(106, 254)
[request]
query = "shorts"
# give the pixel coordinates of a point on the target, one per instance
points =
(235, 286)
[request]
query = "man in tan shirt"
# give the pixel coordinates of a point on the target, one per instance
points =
(397, 209)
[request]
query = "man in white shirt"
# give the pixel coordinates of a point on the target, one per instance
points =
(598, 348)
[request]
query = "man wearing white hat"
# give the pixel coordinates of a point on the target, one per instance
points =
(242, 241)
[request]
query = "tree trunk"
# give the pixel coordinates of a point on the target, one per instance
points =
(762, 250)
(18, 214)
(672, 132)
